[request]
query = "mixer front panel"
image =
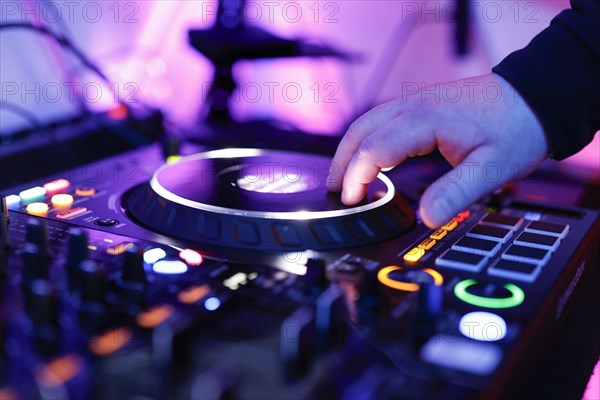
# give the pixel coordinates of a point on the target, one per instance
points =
(97, 305)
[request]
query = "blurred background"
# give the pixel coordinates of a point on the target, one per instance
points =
(382, 49)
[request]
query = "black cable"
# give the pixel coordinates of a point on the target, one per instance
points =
(23, 112)
(61, 40)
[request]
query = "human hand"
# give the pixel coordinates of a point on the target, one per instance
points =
(487, 133)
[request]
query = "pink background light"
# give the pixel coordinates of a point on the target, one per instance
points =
(143, 48)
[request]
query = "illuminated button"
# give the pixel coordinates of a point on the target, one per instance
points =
(548, 228)
(532, 216)
(37, 209)
(490, 233)
(483, 326)
(13, 201)
(462, 260)
(461, 216)
(459, 354)
(477, 246)
(515, 270)
(191, 257)
(384, 278)
(32, 195)
(527, 254)
(414, 255)
(212, 303)
(502, 221)
(427, 244)
(154, 316)
(118, 249)
(110, 341)
(464, 214)
(57, 186)
(173, 159)
(72, 213)
(59, 371)
(538, 241)
(439, 234)
(193, 294)
(153, 255)
(450, 226)
(461, 291)
(62, 201)
(170, 267)
(85, 191)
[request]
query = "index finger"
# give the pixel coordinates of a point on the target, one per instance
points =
(352, 140)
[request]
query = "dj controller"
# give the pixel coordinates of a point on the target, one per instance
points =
(235, 274)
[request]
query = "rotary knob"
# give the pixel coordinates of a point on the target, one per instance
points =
(77, 253)
(43, 308)
(93, 282)
(36, 263)
(133, 273)
(36, 232)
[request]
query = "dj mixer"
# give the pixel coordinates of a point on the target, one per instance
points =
(235, 274)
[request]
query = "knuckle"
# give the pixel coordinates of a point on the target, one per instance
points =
(367, 147)
(353, 132)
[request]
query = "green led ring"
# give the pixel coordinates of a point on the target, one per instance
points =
(460, 291)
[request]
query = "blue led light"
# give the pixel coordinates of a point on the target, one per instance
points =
(212, 303)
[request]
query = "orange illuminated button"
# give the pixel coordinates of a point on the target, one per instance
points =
(37, 209)
(71, 213)
(110, 341)
(85, 191)
(427, 244)
(59, 371)
(384, 278)
(119, 248)
(439, 234)
(57, 186)
(62, 201)
(414, 255)
(191, 257)
(193, 294)
(450, 226)
(155, 316)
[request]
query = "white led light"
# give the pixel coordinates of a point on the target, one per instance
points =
(13, 201)
(170, 267)
(153, 255)
(483, 326)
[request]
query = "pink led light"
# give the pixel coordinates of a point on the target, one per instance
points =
(191, 257)
(57, 186)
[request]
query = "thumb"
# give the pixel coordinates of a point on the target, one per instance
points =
(473, 178)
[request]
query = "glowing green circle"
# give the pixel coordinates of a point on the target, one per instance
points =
(460, 291)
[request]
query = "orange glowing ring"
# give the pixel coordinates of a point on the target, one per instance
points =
(383, 277)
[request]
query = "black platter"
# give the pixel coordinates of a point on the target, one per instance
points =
(264, 200)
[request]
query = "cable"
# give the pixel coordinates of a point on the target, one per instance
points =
(23, 112)
(61, 40)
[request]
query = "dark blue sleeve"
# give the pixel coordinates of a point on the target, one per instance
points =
(558, 75)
